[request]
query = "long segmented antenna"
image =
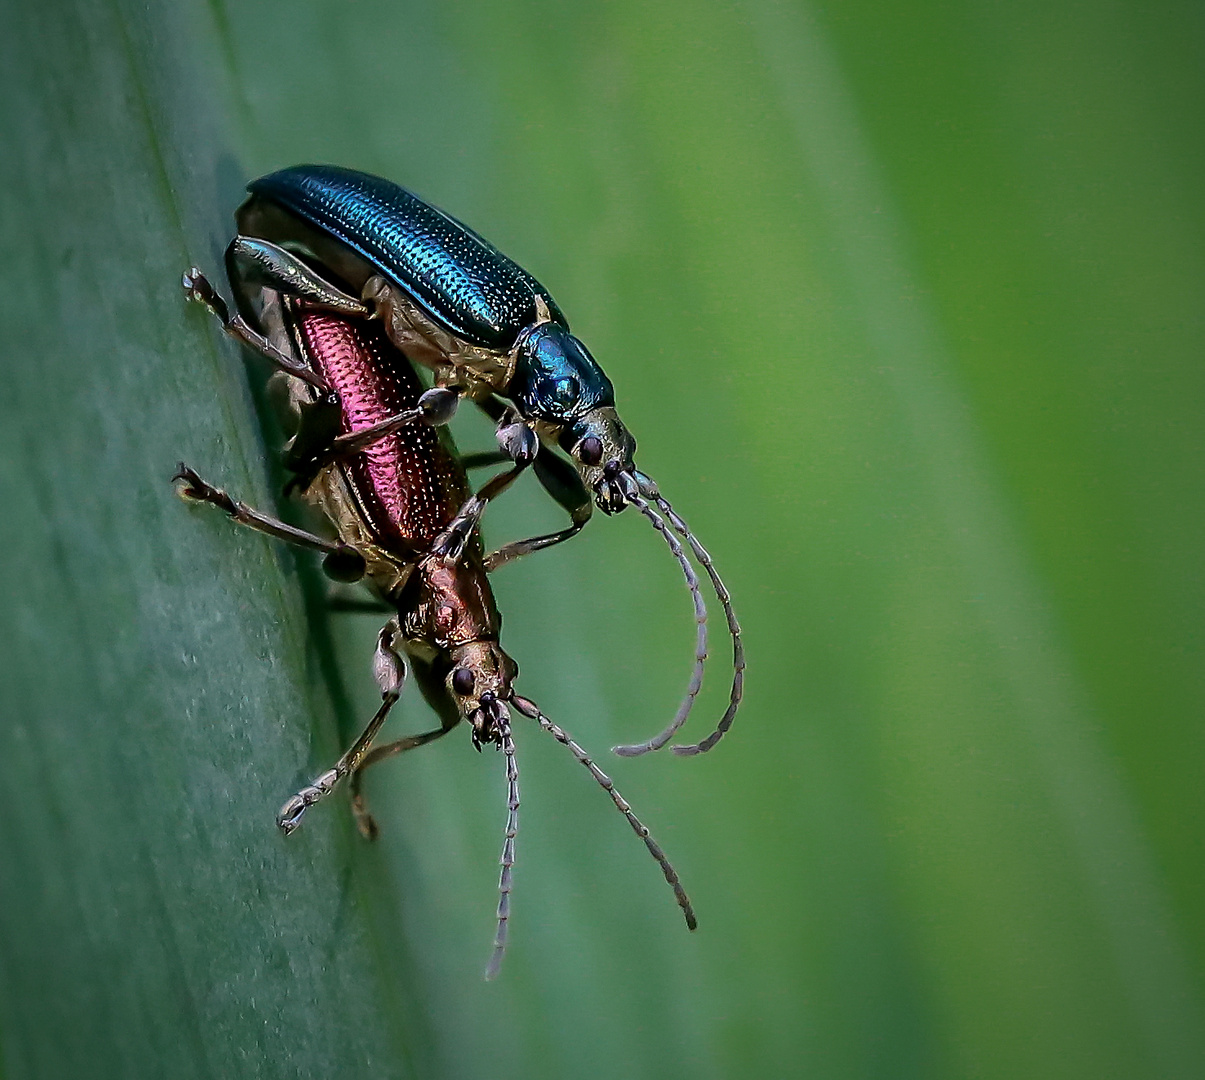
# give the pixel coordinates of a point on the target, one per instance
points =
(530, 710)
(696, 679)
(506, 878)
(734, 628)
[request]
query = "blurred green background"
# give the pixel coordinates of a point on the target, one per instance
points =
(904, 304)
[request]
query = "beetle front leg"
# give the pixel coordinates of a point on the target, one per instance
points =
(558, 477)
(562, 482)
(390, 671)
(480, 459)
(521, 445)
(342, 562)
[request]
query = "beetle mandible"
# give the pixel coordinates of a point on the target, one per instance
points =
(394, 504)
(355, 243)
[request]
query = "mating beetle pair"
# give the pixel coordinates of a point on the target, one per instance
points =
(340, 277)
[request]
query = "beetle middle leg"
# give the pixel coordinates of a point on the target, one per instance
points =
(556, 476)
(390, 671)
(318, 444)
(340, 604)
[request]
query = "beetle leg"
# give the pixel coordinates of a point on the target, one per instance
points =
(390, 671)
(251, 261)
(317, 443)
(365, 822)
(449, 545)
(558, 477)
(435, 408)
(521, 445)
(198, 288)
(483, 458)
(342, 562)
(434, 689)
(562, 482)
(309, 452)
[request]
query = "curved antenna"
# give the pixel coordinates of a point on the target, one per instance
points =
(506, 878)
(696, 678)
(734, 627)
(530, 710)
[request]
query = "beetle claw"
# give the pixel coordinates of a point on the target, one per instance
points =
(192, 488)
(289, 815)
(197, 286)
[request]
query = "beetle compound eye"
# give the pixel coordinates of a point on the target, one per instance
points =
(462, 681)
(590, 450)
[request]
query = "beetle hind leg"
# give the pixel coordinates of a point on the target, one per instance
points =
(365, 822)
(198, 288)
(254, 262)
(342, 563)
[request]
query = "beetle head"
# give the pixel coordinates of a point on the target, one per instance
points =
(479, 681)
(602, 449)
(558, 384)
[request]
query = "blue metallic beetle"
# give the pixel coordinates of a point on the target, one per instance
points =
(451, 301)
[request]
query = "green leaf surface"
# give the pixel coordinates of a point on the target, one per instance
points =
(904, 307)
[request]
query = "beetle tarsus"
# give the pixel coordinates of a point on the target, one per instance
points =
(450, 544)
(364, 820)
(199, 289)
(366, 823)
(194, 489)
(289, 815)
